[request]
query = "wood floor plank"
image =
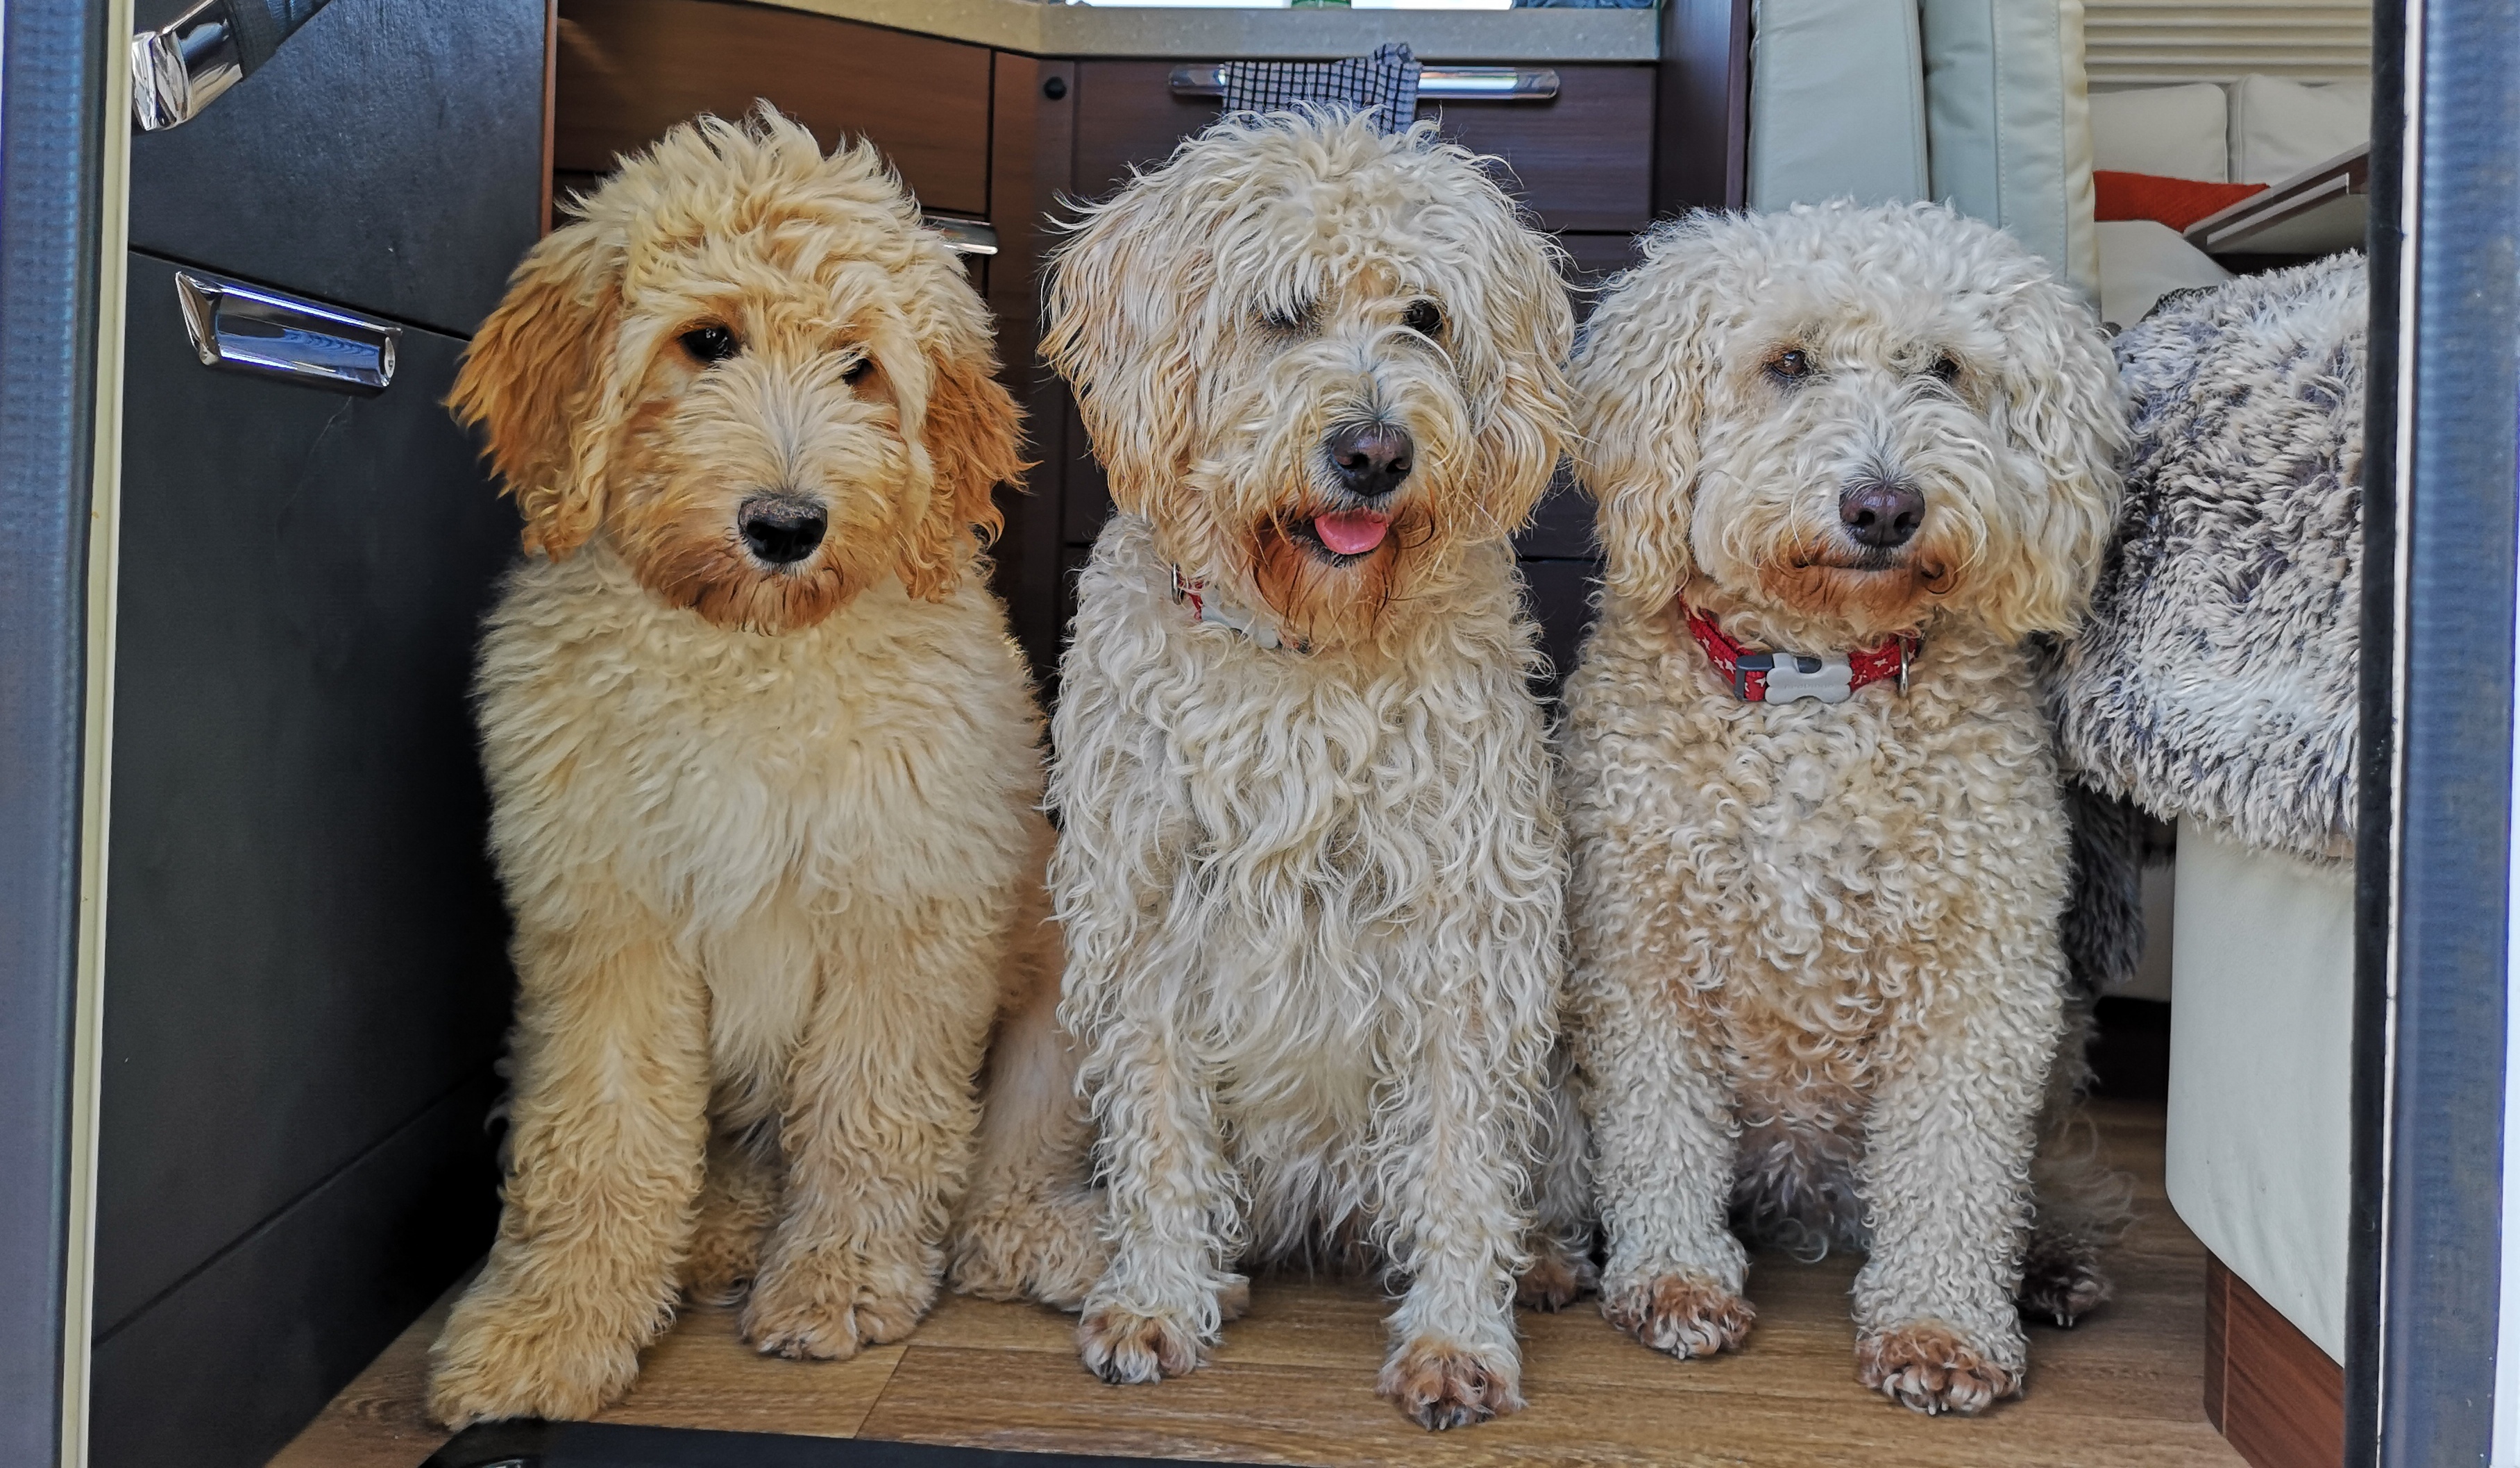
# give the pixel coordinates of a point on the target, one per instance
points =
(1291, 1414)
(1295, 1381)
(703, 1374)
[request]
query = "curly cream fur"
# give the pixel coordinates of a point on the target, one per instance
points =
(1818, 983)
(766, 831)
(1312, 899)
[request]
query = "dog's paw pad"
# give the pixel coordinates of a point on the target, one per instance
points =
(1679, 1315)
(2062, 1286)
(1441, 1386)
(1554, 1281)
(1125, 1348)
(1930, 1367)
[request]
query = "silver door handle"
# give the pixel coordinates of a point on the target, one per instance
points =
(964, 236)
(1441, 83)
(247, 329)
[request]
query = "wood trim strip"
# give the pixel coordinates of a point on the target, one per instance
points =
(1702, 106)
(2277, 1397)
(551, 101)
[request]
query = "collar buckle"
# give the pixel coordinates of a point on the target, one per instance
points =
(1828, 677)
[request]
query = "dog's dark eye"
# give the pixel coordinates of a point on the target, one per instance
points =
(1791, 365)
(1947, 368)
(1425, 318)
(710, 343)
(1294, 318)
(856, 372)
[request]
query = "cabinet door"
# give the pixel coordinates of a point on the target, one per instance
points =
(629, 69)
(1581, 160)
(305, 980)
(388, 159)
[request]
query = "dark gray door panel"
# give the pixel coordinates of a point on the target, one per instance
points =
(227, 1369)
(304, 944)
(382, 158)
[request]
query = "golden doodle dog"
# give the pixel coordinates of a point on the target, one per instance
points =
(765, 767)
(1309, 869)
(1848, 461)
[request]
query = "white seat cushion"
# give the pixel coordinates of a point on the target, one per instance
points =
(2281, 127)
(2262, 1072)
(2143, 259)
(1837, 103)
(2169, 133)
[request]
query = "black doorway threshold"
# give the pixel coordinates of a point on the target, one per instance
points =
(602, 1445)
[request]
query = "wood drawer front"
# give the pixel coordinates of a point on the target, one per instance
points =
(1583, 160)
(629, 69)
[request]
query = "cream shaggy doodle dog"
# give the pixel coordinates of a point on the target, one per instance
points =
(1309, 868)
(1848, 461)
(765, 770)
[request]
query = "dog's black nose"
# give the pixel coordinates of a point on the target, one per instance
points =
(1882, 513)
(782, 531)
(1371, 458)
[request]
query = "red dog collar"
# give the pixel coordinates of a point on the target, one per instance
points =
(1203, 607)
(1765, 678)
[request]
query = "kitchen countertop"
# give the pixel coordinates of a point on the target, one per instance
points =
(1037, 28)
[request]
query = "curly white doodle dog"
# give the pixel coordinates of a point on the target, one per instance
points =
(765, 768)
(1848, 461)
(1309, 868)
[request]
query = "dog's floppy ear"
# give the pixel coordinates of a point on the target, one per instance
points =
(975, 439)
(1118, 332)
(532, 381)
(1523, 422)
(2057, 403)
(1642, 375)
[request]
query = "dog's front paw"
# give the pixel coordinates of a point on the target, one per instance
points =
(828, 1305)
(503, 1356)
(1126, 1348)
(1684, 1316)
(1556, 1280)
(1932, 1367)
(2061, 1281)
(1029, 1247)
(1440, 1384)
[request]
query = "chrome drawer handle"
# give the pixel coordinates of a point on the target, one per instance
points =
(1442, 83)
(246, 328)
(183, 66)
(964, 236)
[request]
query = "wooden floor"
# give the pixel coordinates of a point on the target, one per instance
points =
(1294, 1382)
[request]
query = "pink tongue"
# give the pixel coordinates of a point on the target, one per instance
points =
(1351, 532)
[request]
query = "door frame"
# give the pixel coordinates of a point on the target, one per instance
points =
(2433, 858)
(64, 101)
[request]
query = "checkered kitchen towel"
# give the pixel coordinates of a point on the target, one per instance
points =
(1384, 84)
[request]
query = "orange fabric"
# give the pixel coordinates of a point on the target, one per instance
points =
(2176, 202)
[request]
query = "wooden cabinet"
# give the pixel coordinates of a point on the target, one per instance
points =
(1581, 160)
(630, 70)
